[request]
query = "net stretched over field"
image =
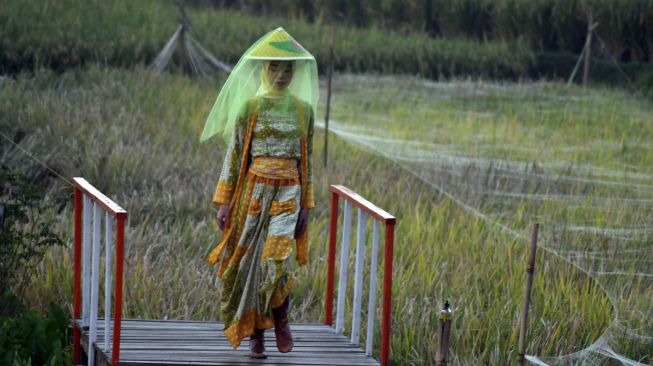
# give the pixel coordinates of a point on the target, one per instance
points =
(579, 162)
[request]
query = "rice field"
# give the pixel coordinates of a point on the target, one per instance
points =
(134, 135)
(513, 154)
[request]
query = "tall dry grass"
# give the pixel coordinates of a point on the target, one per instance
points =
(134, 135)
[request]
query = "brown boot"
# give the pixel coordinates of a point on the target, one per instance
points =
(257, 344)
(281, 327)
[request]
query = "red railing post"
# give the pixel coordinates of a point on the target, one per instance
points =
(117, 307)
(387, 294)
(77, 271)
(333, 230)
(389, 221)
(84, 190)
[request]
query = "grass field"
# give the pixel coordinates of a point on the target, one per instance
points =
(70, 33)
(134, 135)
(575, 160)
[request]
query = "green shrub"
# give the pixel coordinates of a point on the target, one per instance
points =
(26, 234)
(27, 338)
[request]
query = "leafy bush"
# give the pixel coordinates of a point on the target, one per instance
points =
(26, 337)
(25, 233)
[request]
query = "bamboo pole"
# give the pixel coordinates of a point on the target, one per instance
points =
(580, 58)
(444, 331)
(585, 54)
(328, 103)
(588, 49)
(527, 296)
(185, 26)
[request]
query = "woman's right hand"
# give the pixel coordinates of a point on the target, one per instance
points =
(223, 216)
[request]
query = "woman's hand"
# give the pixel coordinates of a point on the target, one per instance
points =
(302, 222)
(223, 216)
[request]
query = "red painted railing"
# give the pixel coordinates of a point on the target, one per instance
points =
(364, 208)
(88, 197)
(85, 192)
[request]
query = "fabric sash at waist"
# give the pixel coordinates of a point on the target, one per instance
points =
(274, 167)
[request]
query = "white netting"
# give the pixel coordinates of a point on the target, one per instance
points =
(580, 162)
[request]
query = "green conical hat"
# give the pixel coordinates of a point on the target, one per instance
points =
(245, 81)
(278, 45)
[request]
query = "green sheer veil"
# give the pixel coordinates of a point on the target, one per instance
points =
(248, 80)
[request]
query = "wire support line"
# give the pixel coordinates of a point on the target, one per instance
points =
(35, 158)
(501, 166)
(468, 208)
(601, 346)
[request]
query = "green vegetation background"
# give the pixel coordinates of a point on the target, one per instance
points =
(27, 235)
(545, 25)
(81, 100)
(133, 134)
(505, 39)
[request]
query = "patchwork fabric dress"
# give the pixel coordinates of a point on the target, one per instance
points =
(266, 179)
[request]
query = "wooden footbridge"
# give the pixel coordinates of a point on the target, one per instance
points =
(111, 340)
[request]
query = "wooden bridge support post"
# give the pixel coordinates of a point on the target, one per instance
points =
(387, 293)
(77, 274)
(117, 307)
(521, 360)
(444, 331)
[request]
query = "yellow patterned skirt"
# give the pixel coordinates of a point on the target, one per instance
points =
(255, 263)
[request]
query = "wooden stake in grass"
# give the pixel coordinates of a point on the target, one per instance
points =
(328, 103)
(588, 49)
(585, 54)
(527, 296)
(444, 331)
(198, 57)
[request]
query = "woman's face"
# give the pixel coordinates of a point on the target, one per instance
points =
(280, 74)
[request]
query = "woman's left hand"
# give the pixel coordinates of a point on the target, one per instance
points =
(302, 222)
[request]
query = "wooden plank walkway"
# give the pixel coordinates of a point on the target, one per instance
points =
(168, 342)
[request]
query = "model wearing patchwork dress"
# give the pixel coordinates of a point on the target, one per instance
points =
(265, 113)
(255, 253)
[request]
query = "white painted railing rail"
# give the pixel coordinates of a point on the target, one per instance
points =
(90, 206)
(364, 209)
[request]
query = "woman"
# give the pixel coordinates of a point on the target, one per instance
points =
(264, 193)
